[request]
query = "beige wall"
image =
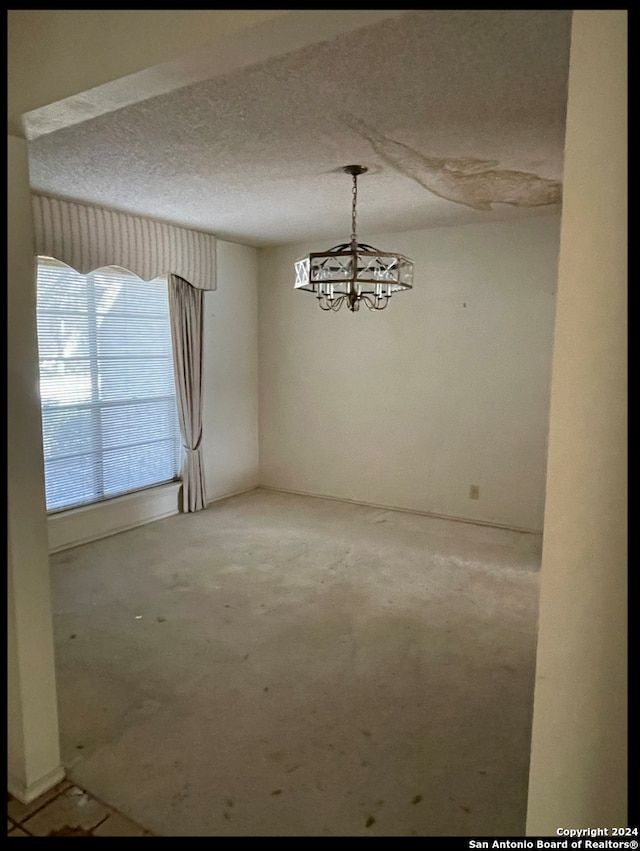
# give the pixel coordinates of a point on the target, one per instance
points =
(230, 392)
(448, 387)
(32, 733)
(579, 744)
(80, 49)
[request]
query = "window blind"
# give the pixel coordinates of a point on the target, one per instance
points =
(109, 414)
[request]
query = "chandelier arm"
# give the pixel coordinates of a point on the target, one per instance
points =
(375, 303)
(327, 303)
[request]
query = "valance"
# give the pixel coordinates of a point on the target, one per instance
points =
(86, 237)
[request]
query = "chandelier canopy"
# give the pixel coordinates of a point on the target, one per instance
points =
(353, 273)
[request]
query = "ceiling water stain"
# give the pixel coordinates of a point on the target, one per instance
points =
(473, 182)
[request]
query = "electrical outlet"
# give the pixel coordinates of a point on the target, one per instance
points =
(474, 492)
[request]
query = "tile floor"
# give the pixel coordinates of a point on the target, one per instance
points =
(67, 810)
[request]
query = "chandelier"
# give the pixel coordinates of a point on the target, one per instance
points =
(353, 273)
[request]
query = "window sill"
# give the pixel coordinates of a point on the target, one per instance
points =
(91, 522)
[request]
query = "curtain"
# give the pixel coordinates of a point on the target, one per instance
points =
(186, 311)
(86, 238)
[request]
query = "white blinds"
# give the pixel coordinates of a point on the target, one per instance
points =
(87, 238)
(107, 387)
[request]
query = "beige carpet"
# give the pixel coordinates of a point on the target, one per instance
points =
(281, 665)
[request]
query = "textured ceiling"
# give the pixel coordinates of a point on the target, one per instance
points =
(458, 115)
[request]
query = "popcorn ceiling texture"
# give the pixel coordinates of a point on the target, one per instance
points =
(458, 115)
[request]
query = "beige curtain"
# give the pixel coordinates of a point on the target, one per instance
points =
(87, 237)
(186, 310)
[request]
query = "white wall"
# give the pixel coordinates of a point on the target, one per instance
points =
(578, 773)
(230, 403)
(410, 406)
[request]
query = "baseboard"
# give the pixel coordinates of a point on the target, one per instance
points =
(235, 493)
(29, 793)
(407, 510)
(90, 523)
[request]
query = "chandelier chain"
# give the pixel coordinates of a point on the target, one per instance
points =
(354, 201)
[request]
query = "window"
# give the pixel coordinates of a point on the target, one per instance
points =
(109, 415)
